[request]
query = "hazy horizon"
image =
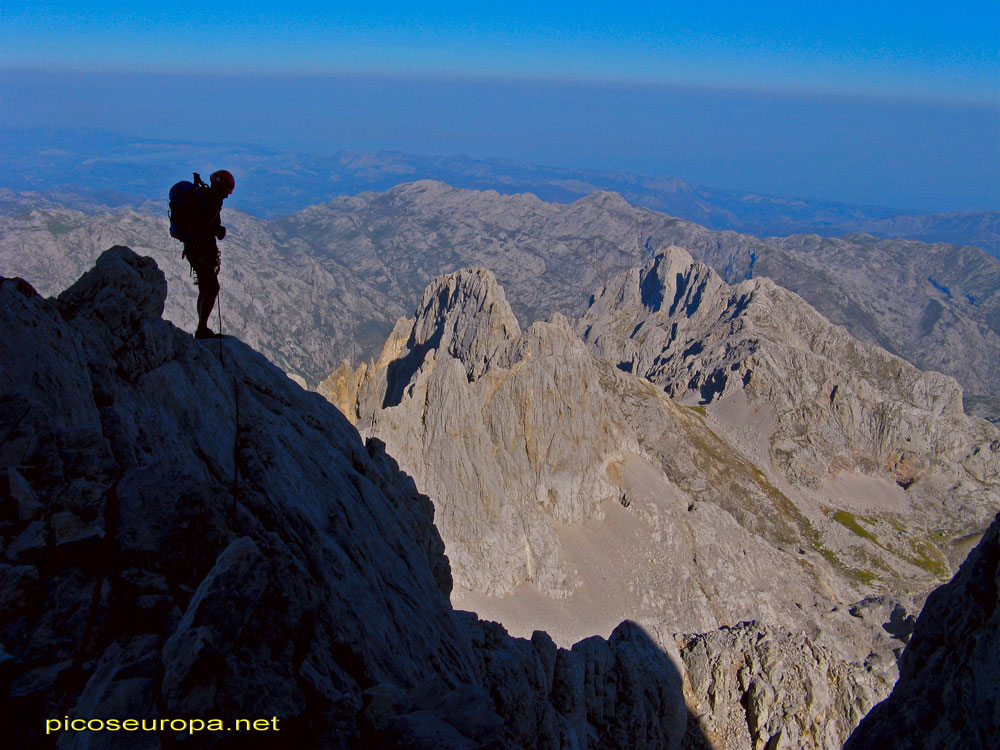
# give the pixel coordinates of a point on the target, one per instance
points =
(893, 104)
(909, 155)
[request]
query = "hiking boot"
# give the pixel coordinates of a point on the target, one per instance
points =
(207, 333)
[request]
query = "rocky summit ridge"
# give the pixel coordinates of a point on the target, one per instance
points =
(831, 403)
(187, 533)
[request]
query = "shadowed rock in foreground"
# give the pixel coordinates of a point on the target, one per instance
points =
(948, 693)
(187, 533)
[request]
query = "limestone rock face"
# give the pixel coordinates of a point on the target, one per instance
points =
(468, 318)
(568, 489)
(456, 405)
(834, 403)
(753, 687)
(948, 695)
(188, 533)
(926, 303)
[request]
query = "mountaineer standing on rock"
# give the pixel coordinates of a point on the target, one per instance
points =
(195, 220)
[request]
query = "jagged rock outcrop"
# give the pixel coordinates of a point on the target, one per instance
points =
(830, 403)
(453, 395)
(926, 303)
(188, 534)
(759, 688)
(948, 693)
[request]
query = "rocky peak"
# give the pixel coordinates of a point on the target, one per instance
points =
(520, 417)
(465, 314)
(837, 404)
(608, 200)
(672, 281)
(122, 281)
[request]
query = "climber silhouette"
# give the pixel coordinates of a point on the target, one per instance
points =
(195, 220)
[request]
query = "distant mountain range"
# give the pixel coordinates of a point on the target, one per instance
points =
(90, 171)
(329, 282)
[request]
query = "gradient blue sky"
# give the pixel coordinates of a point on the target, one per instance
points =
(942, 50)
(895, 103)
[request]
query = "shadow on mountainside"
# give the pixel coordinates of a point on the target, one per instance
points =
(400, 371)
(948, 693)
(189, 536)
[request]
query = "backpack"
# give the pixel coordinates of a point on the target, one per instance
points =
(186, 206)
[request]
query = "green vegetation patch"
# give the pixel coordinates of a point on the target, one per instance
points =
(850, 521)
(785, 524)
(923, 553)
(927, 557)
(846, 571)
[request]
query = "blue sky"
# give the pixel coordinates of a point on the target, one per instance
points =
(942, 50)
(887, 103)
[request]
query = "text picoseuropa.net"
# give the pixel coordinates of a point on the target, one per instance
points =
(189, 726)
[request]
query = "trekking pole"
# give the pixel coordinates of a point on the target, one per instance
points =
(218, 302)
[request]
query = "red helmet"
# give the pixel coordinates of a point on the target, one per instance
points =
(223, 179)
